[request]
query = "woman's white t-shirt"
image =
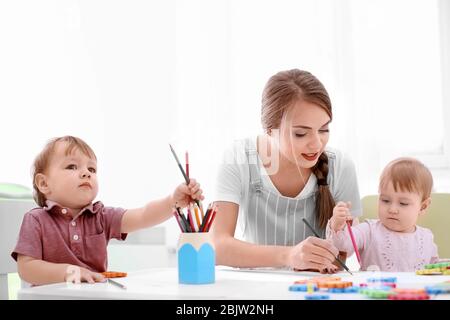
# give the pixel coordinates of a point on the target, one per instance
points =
(266, 216)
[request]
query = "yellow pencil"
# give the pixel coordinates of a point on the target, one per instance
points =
(197, 217)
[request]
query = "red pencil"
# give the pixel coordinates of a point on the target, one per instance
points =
(213, 215)
(349, 227)
(205, 218)
(187, 164)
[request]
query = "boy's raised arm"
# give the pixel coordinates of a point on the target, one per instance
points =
(153, 213)
(158, 211)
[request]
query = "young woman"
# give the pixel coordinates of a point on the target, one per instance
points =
(270, 182)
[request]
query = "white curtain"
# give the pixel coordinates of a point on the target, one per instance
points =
(397, 106)
(379, 60)
(130, 77)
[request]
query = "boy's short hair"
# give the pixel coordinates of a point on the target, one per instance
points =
(42, 160)
(408, 175)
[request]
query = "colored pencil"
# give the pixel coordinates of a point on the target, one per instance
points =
(197, 217)
(175, 214)
(355, 247)
(117, 284)
(185, 222)
(205, 219)
(186, 178)
(193, 222)
(187, 164)
(190, 217)
(213, 216)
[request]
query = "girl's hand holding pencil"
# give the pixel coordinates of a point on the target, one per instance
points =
(341, 217)
(341, 214)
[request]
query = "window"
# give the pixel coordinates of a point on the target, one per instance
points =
(397, 69)
(383, 62)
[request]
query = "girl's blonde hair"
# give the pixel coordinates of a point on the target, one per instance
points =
(408, 175)
(42, 160)
(281, 92)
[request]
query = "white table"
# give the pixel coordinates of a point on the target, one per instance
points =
(162, 283)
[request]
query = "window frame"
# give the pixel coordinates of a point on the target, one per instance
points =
(439, 160)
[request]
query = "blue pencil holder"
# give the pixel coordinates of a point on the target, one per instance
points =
(196, 258)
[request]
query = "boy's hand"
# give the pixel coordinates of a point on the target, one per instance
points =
(341, 213)
(184, 194)
(77, 274)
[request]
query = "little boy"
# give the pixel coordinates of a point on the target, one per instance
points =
(70, 230)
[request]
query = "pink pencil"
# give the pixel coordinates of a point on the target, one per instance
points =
(349, 227)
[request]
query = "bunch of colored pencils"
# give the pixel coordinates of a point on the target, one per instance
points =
(195, 220)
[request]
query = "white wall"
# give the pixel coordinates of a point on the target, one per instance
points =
(131, 76)
(100, 70)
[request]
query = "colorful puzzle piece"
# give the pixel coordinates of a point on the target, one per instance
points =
(317, 297)
(376, 293)
(438, 288)
(376, 288)
(335, 284)
(409, 291)
(352, 289)
(302, 287)
(429, 272)
(409, 296)
(441, 265)
(318, 279)
(442, 268)
(385, 279)
(114, 274)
